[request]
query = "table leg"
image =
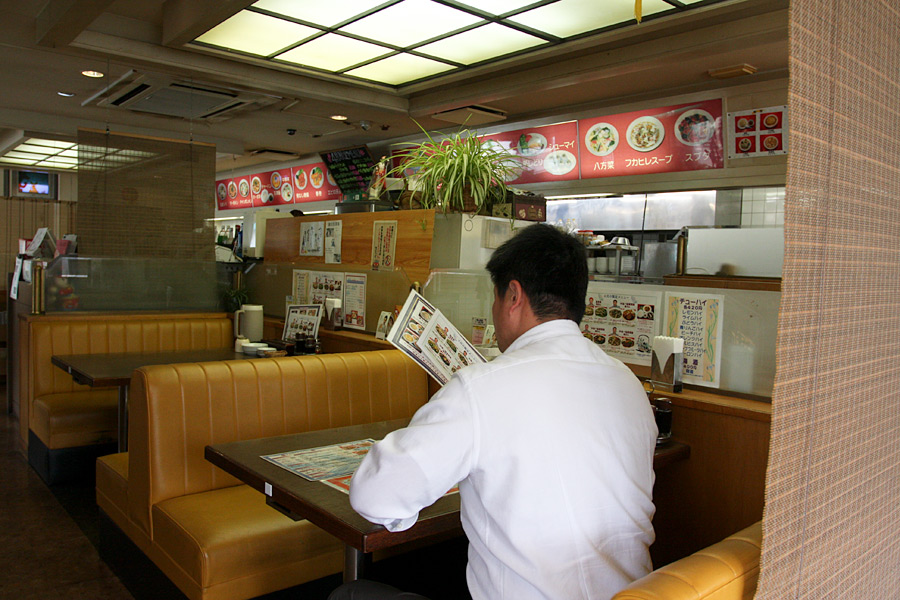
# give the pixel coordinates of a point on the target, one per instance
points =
(123, 418)
(354, 561)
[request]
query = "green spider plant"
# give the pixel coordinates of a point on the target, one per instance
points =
(456, 169)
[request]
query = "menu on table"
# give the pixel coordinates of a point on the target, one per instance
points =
(683, 137)
(623, 324)
(301, 318)
(316, 464)
(351, 168)
(697, 319)
(545, 153)
(759, 132)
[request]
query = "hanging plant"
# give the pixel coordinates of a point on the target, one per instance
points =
(458, 173)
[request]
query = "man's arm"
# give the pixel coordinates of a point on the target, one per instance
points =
(414, 466)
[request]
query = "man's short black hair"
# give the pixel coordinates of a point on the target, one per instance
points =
(550, 265)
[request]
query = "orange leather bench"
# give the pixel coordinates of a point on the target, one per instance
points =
(728, 570)
(214, 537)
(67, 425)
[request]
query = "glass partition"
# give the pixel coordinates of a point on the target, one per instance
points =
(127, 284)
(748, 328)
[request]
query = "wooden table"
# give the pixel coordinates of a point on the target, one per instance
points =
(329, 508)
(108, 370)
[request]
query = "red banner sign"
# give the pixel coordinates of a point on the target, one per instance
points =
(685, 137)
(547, 153)
(304, 183)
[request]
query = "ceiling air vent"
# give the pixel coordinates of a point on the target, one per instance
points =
(471, 115)
(162, 95)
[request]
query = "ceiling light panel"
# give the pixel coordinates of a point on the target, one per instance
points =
(573, 17)
(411, 22)
(62, 160)
(16, 161)
(255, 33)
(333, 52)
(326, 14)
(51, 143)
(28, 147)
(482, 43)
(399, 69)
(25, 155)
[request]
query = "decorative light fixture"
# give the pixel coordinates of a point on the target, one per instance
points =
(732, 71)
(339, 117)
(94, 74)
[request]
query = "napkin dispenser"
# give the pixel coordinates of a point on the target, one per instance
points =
(666, 363)
(332, 318)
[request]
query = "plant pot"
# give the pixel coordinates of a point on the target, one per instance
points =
(410, 200)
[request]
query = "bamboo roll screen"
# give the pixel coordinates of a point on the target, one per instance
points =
(832, 515)
(144, 197)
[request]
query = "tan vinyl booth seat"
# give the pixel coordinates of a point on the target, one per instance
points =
(214, 537)
(727, 570)
(66, 425)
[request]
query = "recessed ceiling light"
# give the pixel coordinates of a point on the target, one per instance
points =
(339, 117)
(66, 94)
(89, 73)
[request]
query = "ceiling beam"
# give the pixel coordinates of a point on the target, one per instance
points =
(60, 21)
(185, 20)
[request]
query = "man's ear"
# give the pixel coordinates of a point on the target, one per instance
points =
(515, 294)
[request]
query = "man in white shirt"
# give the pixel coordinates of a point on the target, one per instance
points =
(552, 445)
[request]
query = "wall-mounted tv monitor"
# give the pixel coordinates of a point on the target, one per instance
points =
(25, 183)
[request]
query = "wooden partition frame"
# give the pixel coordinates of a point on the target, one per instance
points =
(415, 231)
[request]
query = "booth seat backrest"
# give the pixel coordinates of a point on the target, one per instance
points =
(175, 411)
(727, 570)
(100, 334)
(132, 334)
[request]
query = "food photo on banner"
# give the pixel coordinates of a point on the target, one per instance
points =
(683, 137)
(545, 153)
(313, 182)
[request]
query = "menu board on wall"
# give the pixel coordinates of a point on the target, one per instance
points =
(303, 183)
(351, 168)
(697, 319)
(546, 153)
(622, 324)
(313, 182)
(272, 188)
(759, 132)
(683, 137)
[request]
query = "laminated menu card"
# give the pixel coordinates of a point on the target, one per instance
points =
(424, 334)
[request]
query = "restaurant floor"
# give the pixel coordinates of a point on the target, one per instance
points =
(50, 547)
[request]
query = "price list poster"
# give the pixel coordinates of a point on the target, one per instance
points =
(697, 319)
(622, 324)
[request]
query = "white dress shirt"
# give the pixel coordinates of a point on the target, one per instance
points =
(552, 445)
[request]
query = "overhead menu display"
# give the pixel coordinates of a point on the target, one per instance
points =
(546, 153)
(759, 132)
(351, 168)
(683, 137)
(303, 183)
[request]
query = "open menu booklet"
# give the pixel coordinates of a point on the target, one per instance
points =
(423, 333)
